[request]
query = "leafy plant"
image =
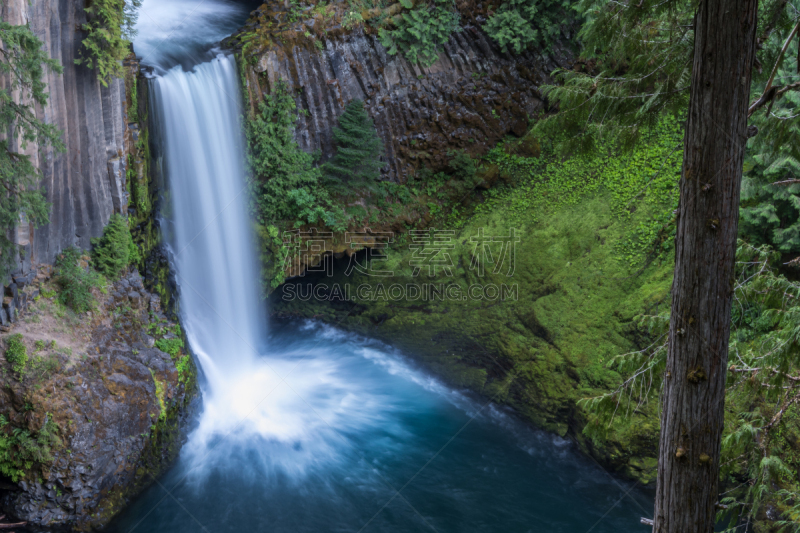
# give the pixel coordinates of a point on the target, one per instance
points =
(521, 23)
(171, 346)
(352, 19)
(109, 27)
(511, 30)
(770, 200)
(308, 209)
(16, 353)
(357, 161)
(75, 280)
(422, 31)
(115, 250)
(23, 63)
(20, 450)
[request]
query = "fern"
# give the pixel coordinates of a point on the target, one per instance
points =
(519, 24)
(422, 31)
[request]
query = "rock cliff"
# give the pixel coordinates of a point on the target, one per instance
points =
(100, 395)
(471, 98)
(85, 184)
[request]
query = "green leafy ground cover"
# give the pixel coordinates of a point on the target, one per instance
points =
(578, 290)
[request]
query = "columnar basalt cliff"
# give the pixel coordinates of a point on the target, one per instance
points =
(471, 98)
(85, 184)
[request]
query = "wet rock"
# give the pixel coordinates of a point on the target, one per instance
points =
(135, 299)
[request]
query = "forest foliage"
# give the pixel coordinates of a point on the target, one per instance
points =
(520, 24)
(109, 31)
(421, 31)
(635, 70)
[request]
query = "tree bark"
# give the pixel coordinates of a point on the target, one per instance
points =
(705, 250)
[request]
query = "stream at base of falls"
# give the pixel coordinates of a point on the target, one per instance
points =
(303, 427)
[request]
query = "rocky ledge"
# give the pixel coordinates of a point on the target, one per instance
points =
(92, 414)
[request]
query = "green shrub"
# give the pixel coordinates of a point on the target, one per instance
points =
(422, 31)
(75, 281)
(511, 30)
(518, 24)
(20, 450)
(357, 161)
(171, 346)
(108, 30)
(309, 210)
(16, 353)
(463, 166)
(115, 250)
(184, 367)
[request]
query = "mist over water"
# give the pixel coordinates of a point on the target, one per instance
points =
(304, 428)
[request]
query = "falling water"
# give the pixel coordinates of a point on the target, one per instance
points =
(305, 428)
(212, 242)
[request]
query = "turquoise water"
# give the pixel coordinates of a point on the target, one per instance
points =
(373, 426)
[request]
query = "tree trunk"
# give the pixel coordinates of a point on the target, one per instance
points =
(705, 249)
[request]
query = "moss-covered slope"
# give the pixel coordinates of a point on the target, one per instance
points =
(578, 282)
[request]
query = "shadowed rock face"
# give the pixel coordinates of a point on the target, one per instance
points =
(85, 185)
(468, 100)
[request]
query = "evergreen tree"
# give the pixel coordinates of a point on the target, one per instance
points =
(115, 250)
(770, 208)
(23, 62)
(109, 29)
(357, 162)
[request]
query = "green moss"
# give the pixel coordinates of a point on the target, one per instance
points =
(161, 392)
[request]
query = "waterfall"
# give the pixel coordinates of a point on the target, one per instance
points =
(212, 240)
(288, 408)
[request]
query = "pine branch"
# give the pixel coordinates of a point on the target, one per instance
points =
(769, 94)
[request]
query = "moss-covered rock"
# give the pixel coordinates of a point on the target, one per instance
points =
(101, 402)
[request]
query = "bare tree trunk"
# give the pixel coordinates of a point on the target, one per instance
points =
(705, 249)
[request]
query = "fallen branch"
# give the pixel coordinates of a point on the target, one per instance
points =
(9, 526)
